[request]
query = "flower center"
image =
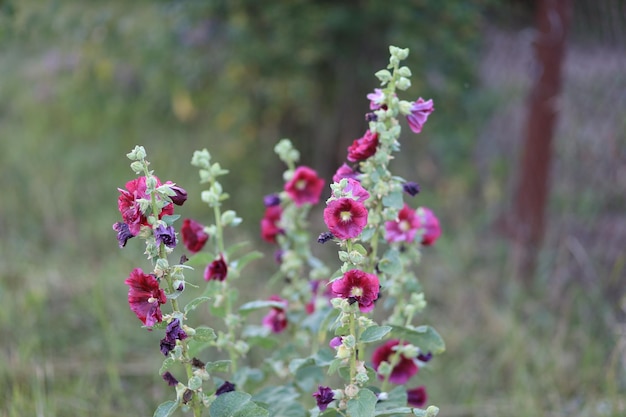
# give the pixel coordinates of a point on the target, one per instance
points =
(301, 184)
(356, 292)
(405, 226)
(151, 300)
(345, 216)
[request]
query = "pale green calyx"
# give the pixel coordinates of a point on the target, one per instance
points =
(201, 159)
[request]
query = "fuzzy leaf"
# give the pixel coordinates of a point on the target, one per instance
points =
(363, 404)
(240, 263)
(200, 259)
(217, 366)
(258, 304)
(390, 263)
(394, 200)
(424, 337)
(204, 334)
(166, 409)
(170, 219)
(393, 411)
(236, 404)
(374, 333)
(195, 303)
(167, 364)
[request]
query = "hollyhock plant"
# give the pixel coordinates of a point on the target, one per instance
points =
(404, 367)
(345, 218)
(358, 286)
(194, 236)
(417, 397)
(129, 206)
(216, 270)
(323, 396)
(420, 110)
(364, 147)
(404, 228)
(377, 98)
(269, 223)
(344, 171)
(145, 297)
(429, 225)
(276, 319)
(305, 186)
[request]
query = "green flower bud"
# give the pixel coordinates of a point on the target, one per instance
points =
(403, 83)
(194, 383)
(137, 167)
(201, 159)
(384, 369)
(351, 391)
(404, 107)
(343, 352)
(432, 411)
(384, 76)
(362, 378)
(404, 71)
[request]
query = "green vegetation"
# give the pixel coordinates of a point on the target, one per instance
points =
(83, 82)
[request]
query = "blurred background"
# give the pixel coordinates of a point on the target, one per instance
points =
(527, 288)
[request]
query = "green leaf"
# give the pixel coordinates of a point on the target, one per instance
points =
(424, 337)
(258, 304)
(218, 366)
(241, 263)
(195, 303)
(232, 249)
(167, 364)
(374, 333)
(204, 334)
(363, 404)
(170, 219)
(236, 404)
(165, 409)
(394, 200)
(394, 411)
(390, 263)
(200, 259)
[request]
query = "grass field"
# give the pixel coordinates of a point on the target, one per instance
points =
(70, 346)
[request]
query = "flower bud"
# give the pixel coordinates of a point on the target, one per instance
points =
(137, 167)
(404, 71)
(384, 76)
(201, 159)
(352, 391)
(405, 107)
(403, 83)
(432, 411)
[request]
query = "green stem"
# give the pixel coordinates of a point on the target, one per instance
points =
(353, 354)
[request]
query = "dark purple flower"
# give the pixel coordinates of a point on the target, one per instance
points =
(216, 270)
(167, 346)
(371, 117)
(323, 397)
(123, 233)
(169, 378)
(411, 188)
(405, 367)
(271, 200)
(172, 333)
(225, 387)
(325, 237)
(181, 195)
(425, 357)
(358, 286)
(165, 235)
(417, 397)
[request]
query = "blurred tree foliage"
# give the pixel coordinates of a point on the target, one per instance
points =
(83, 82)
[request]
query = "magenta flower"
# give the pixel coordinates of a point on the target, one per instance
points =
(216, 270)
(323, 397)
(358, 192)
(145, 297)
(363, 147)
(404, 369)
(269, 223)
(404, 228)
(129, 207)
(344, 171)
(276, 319)
(377, 98)
(305, 186)
(194, 236)
(358, 287)
(345, 218)
(420, 110)
(417, 397)
(429, 225)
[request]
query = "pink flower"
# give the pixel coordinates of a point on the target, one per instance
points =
(420, 110)
(377, 98)
(345, 217)
(276, 319)
(429, 225)
(129, 207)
(305, 186)
(417, 397)
(356, 189)
(145, 297)
(363, 147)
(344, 171)
(359, 287)
(216, 270)
(404, 369)
(194, 236)
(269, 223)
(404, 228)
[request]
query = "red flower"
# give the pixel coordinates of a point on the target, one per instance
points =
(129, 207)
(194, 236)
(276, 319)
(429, 225)
(145, 297)
(404, 369)
(216, 270)
(269, 223)
(305, 186)
(404, 228)
(344, 171)
(417, 397)
(358, 286)
(345, 217)
(363, 147)
(420, 110)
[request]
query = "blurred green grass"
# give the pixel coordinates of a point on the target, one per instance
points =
(84, 82)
